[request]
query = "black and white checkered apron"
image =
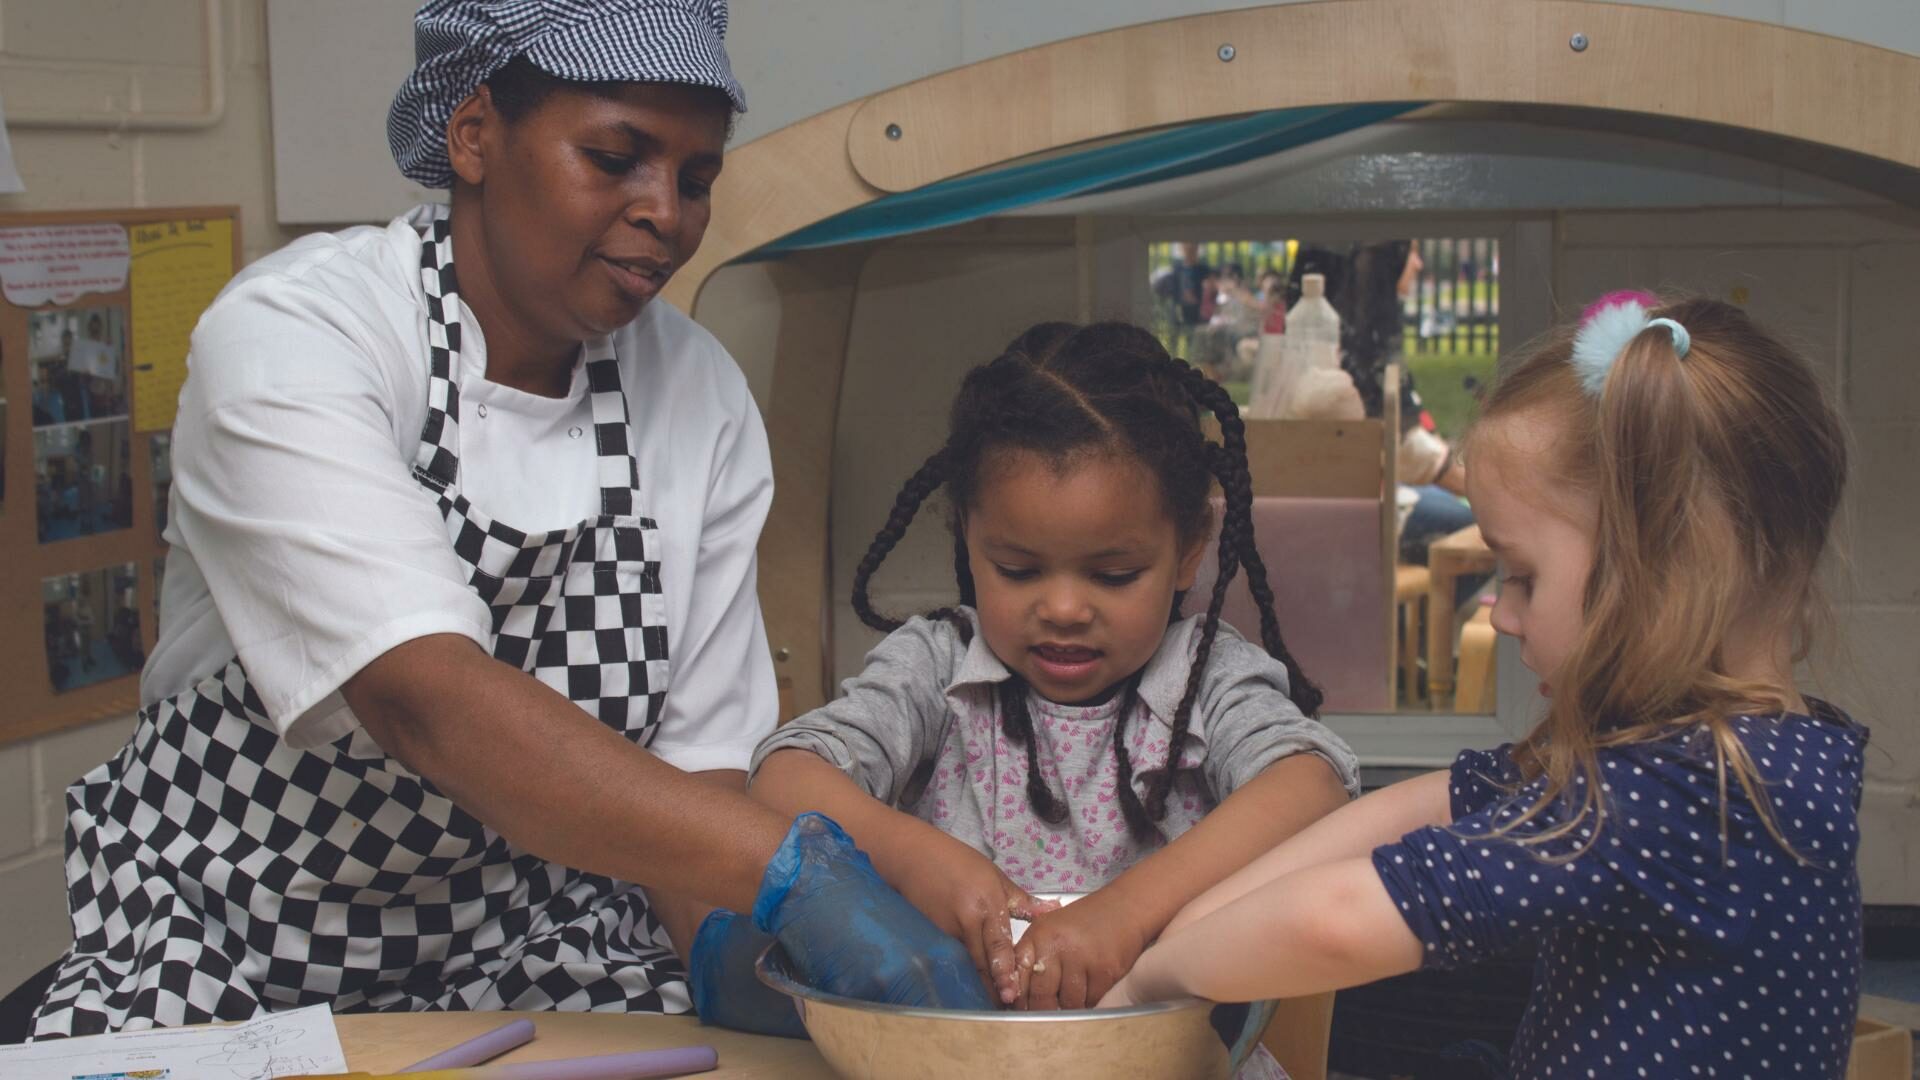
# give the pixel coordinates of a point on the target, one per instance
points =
(214, 872)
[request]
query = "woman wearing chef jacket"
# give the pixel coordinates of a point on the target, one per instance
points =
(460, 658)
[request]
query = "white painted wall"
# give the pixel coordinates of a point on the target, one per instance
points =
(134, 56)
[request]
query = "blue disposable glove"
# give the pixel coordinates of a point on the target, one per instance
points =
(726, 992)
(847, 932)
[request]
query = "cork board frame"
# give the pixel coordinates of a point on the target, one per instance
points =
(32, 705)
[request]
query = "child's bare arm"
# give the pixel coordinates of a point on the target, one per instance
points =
(1351, 831)
(1286, 798)
(1321, 928)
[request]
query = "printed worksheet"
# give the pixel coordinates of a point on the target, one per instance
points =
(283, 1044)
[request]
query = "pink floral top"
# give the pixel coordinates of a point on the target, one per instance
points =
(920, 729)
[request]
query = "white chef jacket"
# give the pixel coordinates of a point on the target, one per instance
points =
(302, 543)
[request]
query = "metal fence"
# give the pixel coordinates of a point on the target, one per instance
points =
(1453, 308)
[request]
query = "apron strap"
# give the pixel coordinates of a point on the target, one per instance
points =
(436, 463)
(619, 471)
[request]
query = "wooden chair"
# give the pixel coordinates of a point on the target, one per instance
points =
(1474, 694)
(1327, 525)
(1410, 587)
(1448, 559)
(1298, 1036)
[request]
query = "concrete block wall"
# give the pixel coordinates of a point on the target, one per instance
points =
(1838, 284)
(33, 779)
(112, 57)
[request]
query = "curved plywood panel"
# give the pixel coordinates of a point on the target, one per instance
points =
(1711, 69)
(772, 186)
(1698, 67)
(1708, 68)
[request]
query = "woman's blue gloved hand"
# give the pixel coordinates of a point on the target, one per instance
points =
(847, 932)
(726, 992)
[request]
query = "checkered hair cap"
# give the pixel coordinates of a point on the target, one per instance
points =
(459, 43)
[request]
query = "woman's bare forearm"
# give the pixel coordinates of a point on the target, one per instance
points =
(795, 781)
(555, 781)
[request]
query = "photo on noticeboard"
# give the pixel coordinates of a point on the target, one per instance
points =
(160, 450)
(82, 480)
(79, 358)
(3, 429)
(92, 624)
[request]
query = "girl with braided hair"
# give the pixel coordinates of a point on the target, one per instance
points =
(1064, 728)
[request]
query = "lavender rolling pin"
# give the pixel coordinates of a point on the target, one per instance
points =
(478, 1049)
(636, 1065)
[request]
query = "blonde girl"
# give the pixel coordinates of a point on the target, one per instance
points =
(1677, 837)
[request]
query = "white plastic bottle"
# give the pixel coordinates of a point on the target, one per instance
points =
(1311, 344)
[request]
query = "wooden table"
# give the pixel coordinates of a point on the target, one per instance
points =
(377, 1042)
(1449, 558)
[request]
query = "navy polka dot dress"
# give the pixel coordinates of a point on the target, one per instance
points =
(1659, 952)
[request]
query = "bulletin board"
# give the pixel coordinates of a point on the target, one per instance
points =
(96, 308)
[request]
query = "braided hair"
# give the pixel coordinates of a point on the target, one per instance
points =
(1061, 390)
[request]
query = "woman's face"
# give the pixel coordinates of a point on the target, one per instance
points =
(589, 202)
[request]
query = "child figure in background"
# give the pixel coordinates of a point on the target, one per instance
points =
(1678, 835)
(1064, 729)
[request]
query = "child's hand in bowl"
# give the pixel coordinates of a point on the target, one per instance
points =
(968, 897)
(1073, 956)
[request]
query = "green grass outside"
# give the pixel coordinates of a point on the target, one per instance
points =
(1441, 380)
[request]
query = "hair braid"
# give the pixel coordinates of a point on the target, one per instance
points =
(1183, 713)
(963, 576)
(923, 483)
(962, 565)
(1017, 723)
(1139, 823)
(1229, 466)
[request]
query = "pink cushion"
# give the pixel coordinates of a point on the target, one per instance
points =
(1329, 590)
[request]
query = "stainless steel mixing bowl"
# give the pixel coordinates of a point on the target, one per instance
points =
(861, 1040)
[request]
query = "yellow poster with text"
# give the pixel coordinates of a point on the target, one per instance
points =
(178, 268)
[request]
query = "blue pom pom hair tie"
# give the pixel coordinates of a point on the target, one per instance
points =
(1682, 341)
(1608, 325)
